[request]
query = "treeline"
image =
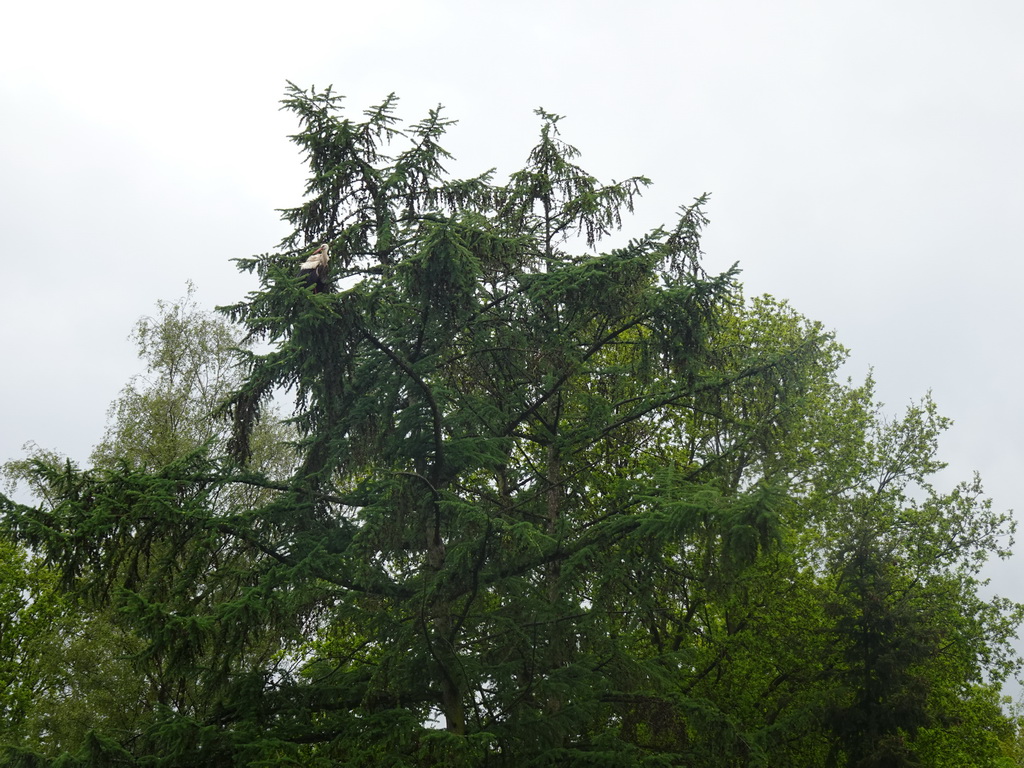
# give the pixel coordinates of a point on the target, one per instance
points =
(527, 503)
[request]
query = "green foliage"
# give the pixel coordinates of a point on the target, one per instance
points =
(542, 504)
(61, 673)
(28, 607)
(78, 663)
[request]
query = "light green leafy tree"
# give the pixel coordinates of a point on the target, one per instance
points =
(79, 667)
(865, 614)
(916, 643)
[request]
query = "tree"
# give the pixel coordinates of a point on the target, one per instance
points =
(911, 630)
(74, 668)
(548, 505)
(866, 614)
(30, 612)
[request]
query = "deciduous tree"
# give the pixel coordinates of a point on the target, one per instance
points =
(74, 665)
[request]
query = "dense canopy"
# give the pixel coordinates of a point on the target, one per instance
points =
(536, 503)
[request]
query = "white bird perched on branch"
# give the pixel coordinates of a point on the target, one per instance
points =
(314, 268)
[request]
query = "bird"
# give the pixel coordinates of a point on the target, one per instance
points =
(314, 268)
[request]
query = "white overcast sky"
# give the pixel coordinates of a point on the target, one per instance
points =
(865, 160)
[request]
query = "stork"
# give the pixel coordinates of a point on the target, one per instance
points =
(314, 268)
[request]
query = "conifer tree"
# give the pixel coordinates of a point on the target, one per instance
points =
(462, 396)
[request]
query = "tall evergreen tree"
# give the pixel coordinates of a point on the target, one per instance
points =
(462, 397)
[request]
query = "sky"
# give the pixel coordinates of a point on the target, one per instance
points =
(865, 161)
